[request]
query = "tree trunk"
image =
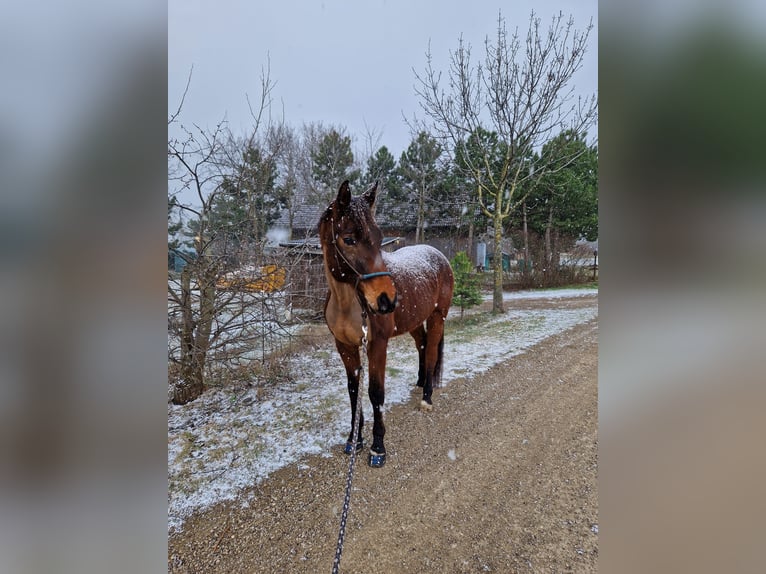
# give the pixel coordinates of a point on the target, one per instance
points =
(472, 251)
(525, 270)
(191, 384)
(497, 264)
(549, 267)
(195, 335)
(419, 232)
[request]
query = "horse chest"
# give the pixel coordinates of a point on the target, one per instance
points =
(345, 326)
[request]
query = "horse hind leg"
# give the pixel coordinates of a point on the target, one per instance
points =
(433, 359)
(419, 335)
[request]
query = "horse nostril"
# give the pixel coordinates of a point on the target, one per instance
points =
(385, 305)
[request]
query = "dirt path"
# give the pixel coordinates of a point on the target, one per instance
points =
(500, 477)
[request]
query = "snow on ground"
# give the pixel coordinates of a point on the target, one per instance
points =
(230, 439)
(544, 294)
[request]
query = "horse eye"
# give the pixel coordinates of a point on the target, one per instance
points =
(349, 241)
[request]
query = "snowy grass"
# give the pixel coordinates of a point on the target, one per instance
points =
(230, 439)
(554, 293)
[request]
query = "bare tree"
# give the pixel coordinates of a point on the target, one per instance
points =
(521, 94)
(216, 311)
(195, 165)
(372, 138)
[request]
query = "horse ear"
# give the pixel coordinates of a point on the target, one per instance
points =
(369, 195)
(344, 195)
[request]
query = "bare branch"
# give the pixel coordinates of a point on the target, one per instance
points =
(183, 97)
(267, 86)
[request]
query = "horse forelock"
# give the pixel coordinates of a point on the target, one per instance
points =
(357, 214)
(363, 219)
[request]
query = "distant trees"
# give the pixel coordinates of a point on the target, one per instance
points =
(421, 175)
(559, 208)
(245, 203)
(564, 202)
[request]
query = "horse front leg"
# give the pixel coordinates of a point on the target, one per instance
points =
(349, 354)
(376, 355)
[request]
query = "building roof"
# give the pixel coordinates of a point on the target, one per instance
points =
(389, 214)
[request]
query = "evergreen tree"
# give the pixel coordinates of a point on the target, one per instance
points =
(332, 162)
(243, 208)
(563, 205)
(466, 293)
(382, 167)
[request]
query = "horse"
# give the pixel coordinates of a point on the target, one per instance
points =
(406, 291)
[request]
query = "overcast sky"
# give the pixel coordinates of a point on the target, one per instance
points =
(347, 63)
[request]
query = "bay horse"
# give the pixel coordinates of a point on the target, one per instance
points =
(396, 292)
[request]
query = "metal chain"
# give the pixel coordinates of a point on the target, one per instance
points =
(350, 474)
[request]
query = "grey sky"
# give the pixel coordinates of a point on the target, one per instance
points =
(339, 62)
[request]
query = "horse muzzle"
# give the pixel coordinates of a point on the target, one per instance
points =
(378, 291)
(385, 305)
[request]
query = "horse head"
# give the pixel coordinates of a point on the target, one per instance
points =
(351, 243)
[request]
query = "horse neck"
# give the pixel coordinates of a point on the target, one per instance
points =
(344, 294)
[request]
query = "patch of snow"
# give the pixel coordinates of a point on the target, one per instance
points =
(545, 294)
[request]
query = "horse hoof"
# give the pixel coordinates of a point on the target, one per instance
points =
(426, 407)
(377, 459)
(350, 447)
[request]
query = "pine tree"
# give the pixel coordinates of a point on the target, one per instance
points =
(382, 167)
(332, 161)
